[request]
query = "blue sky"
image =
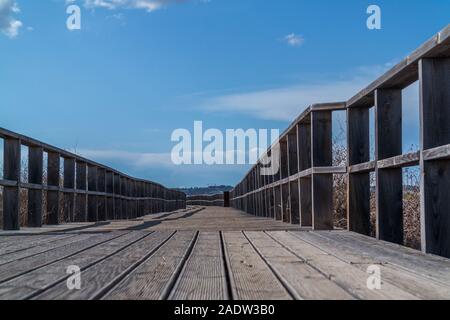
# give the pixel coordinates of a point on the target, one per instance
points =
(116, 89)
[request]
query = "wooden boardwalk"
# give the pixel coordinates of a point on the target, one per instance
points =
(214, 253)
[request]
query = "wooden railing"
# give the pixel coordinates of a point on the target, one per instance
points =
(84, 192)
(216, 200)
(302, 190)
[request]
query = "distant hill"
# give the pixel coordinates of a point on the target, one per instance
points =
(211, 190)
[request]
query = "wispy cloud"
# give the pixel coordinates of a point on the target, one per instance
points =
(147, 5)
(133, 159)
(294, 40)
(285, 103)
(9, 25)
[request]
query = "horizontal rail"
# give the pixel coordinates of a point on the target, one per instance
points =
(206, 200)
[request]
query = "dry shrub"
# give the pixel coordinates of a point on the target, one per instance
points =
(411, 208)
(340, 189)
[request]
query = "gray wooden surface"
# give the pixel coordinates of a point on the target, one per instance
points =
(216, 253)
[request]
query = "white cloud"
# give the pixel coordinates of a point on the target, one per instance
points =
(134, 159)
(8, 24)
(294, 40)
(283, 103)
(286, 103)
(148, 5)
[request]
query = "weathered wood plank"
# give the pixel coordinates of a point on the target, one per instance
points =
(203, 276)
(358, 188)
(435, 132)
(305, 202)
(345, 275)
(35, 172)
(424, 288)
(37, 247)
(17, 268)
(433, 267)
(11, 171)
(250, 277)
(11, 244)
(154, 278)
(53, 177)
(29, 285)
(296, 274)
(437, 153)
(102, 276)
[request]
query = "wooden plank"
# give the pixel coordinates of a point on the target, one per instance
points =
(435, 98)
(36, 247)
(11, 171)
(285, 200)
(284, 162)
(332, 106)
(250, 277)
(438, 153)
(35, 172)
(92, 213)
(33, 283)
(389, 205)
(423, 288)
(278, 204)
(53, 177)
(389, 183)
(362, 167)
(401, 161)
(436, 207)
(154, 278)
(322, 202)
(81, 199)
(433, 267)
(305, 202)
(16, 268)
(435, 132)
(294, 192)
(348, 277)
(292, 152)
(304, 146)
(321, 131)
(322, 184)
(388, 123)
(358, 187)
(358, 136)
(69, 183)
(101, 200)
(303, 280)
(10, 244)
(203, 276)
(358, 200)
(101, 277)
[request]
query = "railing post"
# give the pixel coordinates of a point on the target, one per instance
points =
(322, 184)
(101, 200)
(81, 197)
(284, 170)
(92, 199)
(358, 187)
(69, 183)
(110, 195)
(117, 197)
(35, 172)
(304, 163)
(11, 171)
(53, 179)
(434, 77)
(389, 185)
(293, 169)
